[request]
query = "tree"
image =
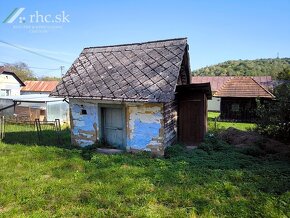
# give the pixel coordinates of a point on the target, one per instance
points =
(260, 67)
(285, 74)
(274, 116)
(21, 70)
(49, 78)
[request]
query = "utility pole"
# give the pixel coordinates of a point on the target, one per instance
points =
(61, 70)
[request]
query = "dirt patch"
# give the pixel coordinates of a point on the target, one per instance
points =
(4, 209)
(240, 138)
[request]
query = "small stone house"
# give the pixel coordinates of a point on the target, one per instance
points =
(126, 96)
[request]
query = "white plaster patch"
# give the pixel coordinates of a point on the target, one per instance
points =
(85, 126)
(143, 114)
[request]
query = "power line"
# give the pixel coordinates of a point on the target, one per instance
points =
(37, 68)
(33, 52)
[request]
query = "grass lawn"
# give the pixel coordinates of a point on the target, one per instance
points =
(26, 135)
(48, 181)
(225, 125)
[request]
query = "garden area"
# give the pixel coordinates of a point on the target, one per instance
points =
(216, 180)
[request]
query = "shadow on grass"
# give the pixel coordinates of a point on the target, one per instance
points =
(46, 138)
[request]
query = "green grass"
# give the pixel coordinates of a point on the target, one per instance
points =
(212, 115)
(225, 125)
(48, 181)
(27, 135)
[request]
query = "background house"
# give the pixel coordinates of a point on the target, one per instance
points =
(125, 95)
(35, 106)
(217, 82)
(34, 101)
(238, 98)
(38, 87)
(10, 83)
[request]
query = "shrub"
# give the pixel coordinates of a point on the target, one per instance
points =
(212, 143)
(174, 150)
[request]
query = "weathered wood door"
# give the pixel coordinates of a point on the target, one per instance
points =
(192, 112)
(191, 121)
(113, 126)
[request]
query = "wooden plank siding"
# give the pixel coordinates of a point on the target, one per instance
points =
(170, 122)
(240, 109)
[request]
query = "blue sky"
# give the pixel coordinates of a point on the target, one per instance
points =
(217, 30)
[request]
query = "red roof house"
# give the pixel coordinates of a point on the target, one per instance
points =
(38, 87)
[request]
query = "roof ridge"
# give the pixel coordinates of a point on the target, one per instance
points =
(137, 43)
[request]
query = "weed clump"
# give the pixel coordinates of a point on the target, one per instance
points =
(175, 150)
(212, 143)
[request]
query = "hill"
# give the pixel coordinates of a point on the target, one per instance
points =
(258, 67)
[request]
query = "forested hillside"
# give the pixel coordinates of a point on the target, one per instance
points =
(259, 67)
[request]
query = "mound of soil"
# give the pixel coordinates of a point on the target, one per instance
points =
(240, 138)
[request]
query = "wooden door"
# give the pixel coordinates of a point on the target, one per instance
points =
(191, 126)
(113, 126)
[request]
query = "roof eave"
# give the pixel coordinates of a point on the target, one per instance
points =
(230, 96)
(111, 99)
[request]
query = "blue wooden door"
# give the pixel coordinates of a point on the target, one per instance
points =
(113, 126)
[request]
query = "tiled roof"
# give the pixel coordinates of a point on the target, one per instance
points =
(217, 82)
(133, 72)
(39, 86)
(243, 87)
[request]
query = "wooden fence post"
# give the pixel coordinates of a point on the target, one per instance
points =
(2, 128)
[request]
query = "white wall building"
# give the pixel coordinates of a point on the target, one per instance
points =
(10, 84)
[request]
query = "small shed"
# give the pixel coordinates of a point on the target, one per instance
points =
(238, 98)
(127, 96)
